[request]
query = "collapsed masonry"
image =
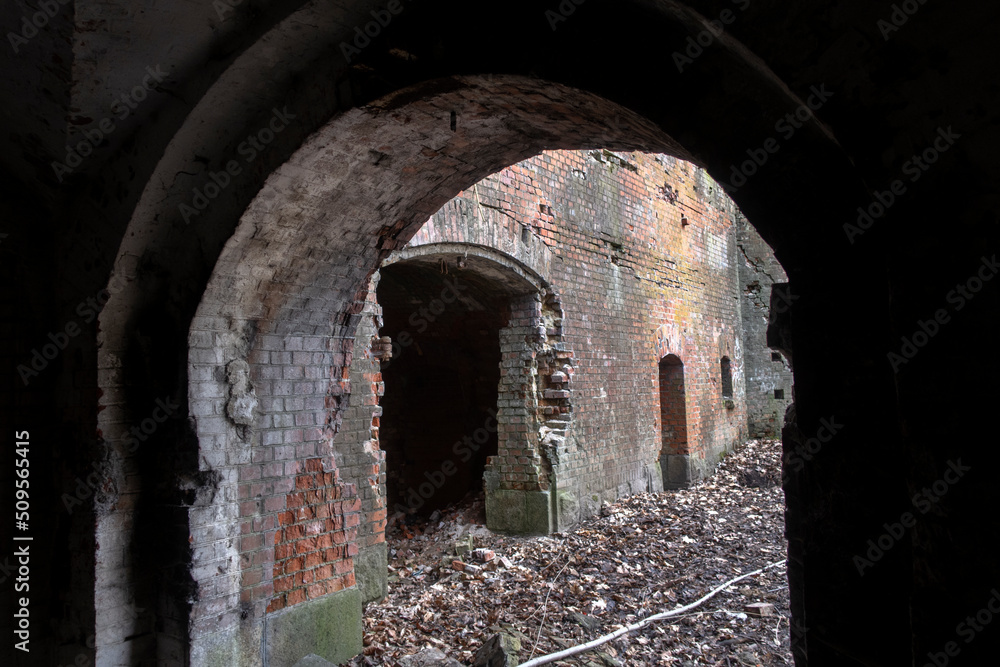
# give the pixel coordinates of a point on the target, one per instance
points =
(522, 341)
(569, 330)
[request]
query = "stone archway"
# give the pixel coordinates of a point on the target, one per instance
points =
(290, 280)
(497, 297)
(296, 344)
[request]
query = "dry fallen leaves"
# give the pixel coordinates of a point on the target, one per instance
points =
(646, 554)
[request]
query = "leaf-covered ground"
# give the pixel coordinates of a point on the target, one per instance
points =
(643, 555)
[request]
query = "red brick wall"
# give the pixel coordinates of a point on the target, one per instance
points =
(316, 539)
(641, 251)
(356, 444)
(639, 256)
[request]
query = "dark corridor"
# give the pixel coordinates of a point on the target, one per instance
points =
(441, 383)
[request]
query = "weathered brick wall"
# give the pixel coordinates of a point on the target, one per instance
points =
(286, 303)
(317, 538)
(359, 457)
(766, 371)
(518, 465)
(641, 252)
(636, 258)
(283, 526)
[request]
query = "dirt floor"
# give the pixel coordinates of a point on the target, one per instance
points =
(642, 555)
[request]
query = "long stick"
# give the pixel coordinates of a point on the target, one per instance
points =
(583, 648)
(545, 609)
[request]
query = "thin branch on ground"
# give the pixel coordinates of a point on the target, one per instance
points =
(600, 641)
(545, 608)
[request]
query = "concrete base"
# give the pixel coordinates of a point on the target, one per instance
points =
(654, 477)
(676, 470)
(371, 569)
(329, 627)
(519, 512)
(313, 660)
(238, 645)
(569, 510)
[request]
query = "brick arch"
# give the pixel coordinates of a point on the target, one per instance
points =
(281, 309)
(271, 342)
(536, 394)
(292, 268)
(492, 231)
(423, 247)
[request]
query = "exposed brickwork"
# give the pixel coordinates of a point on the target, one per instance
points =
(356, 444)
(637, 257)
(297, 385)
(119, 218)
(521, 403)
(640, 255)
(316, 538)
(286, 302)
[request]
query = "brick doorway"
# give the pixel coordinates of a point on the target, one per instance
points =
(438, 424)
(673, 422)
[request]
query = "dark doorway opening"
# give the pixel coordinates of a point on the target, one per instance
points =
(438, 424)
(727, 378)
(673, 422)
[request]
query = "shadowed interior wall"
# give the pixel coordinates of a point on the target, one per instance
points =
(766, 371)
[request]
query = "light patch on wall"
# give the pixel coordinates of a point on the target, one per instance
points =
(717, 248)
